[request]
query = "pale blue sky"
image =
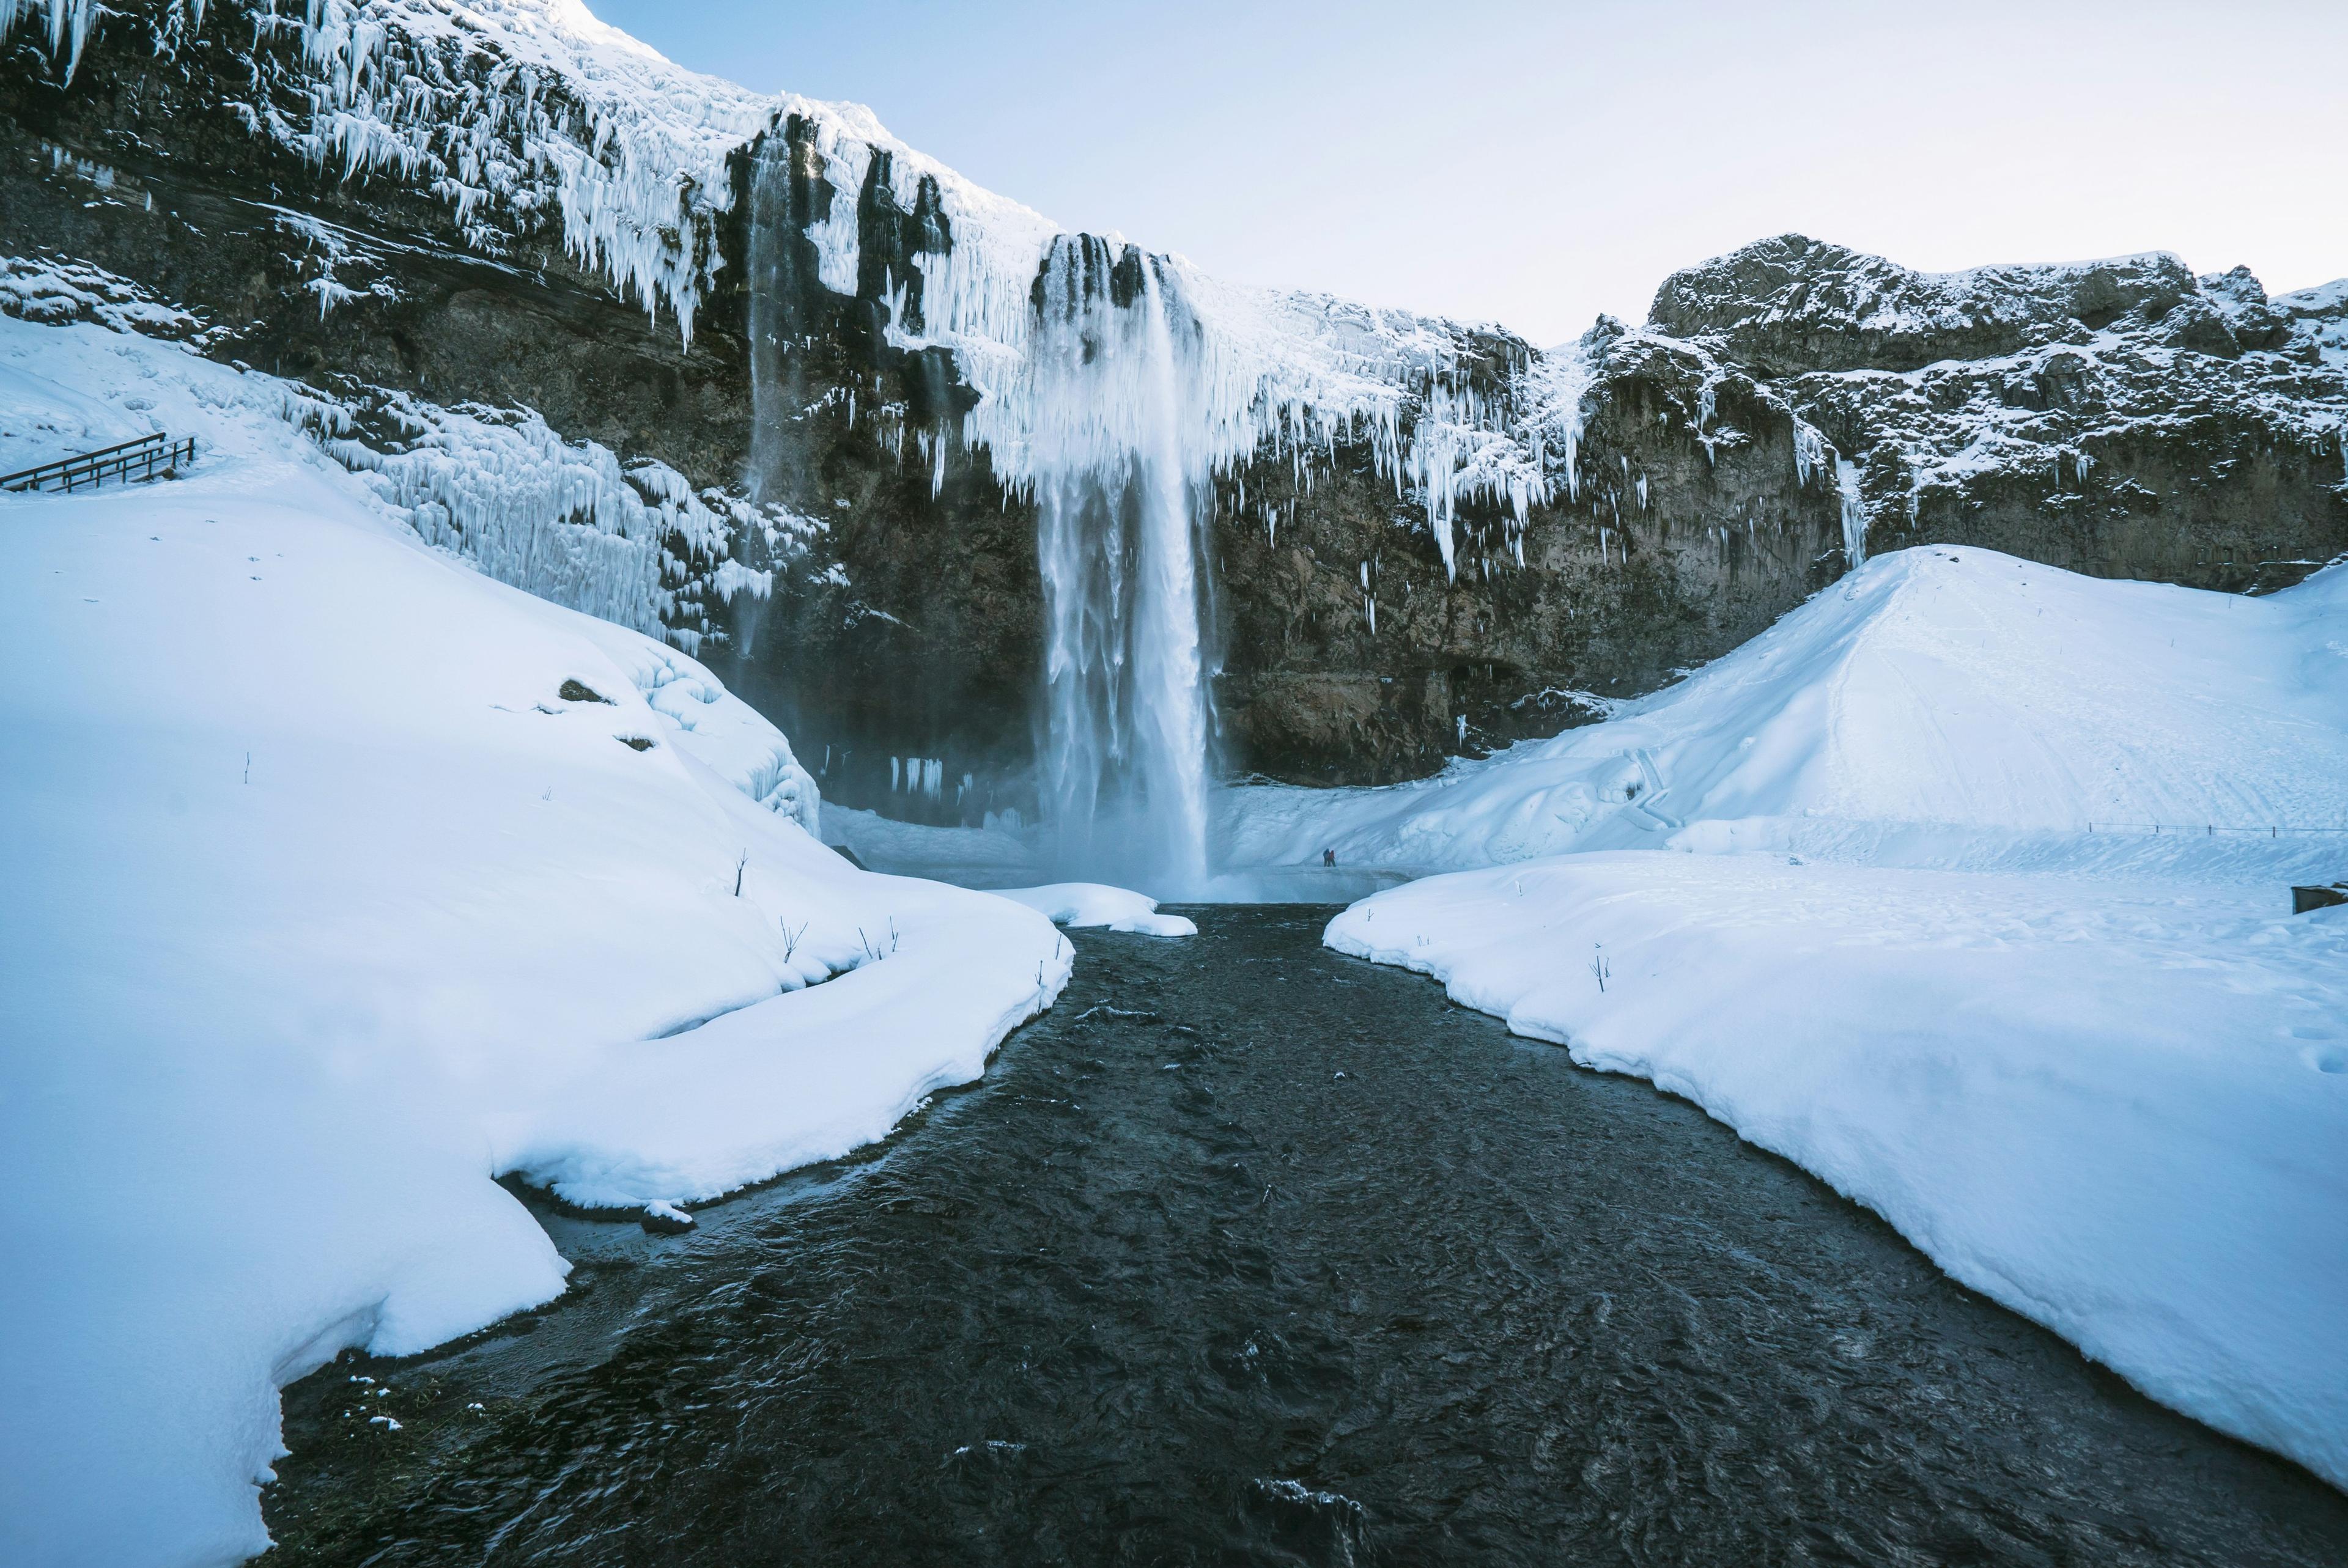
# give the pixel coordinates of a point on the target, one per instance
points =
(1537, 164)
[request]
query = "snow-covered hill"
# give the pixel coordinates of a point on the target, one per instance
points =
(343, 880)
(1938, 707)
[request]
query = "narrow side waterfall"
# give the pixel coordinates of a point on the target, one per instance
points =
(777, 265)
(1118, 461)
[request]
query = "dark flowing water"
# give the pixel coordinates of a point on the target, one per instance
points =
(1251, 1254)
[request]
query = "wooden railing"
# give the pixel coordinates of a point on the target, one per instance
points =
(143, 458)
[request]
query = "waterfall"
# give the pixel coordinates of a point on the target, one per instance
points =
(780, 260)
(1854, 512)
(1100, 414)
(1119, 471)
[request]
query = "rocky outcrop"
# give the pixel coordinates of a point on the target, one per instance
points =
(2119, 417)
(1444, 539)
(1792, 305)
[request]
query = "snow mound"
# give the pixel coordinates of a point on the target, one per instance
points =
(343, 880)
(1936, 706)
(1084, 904)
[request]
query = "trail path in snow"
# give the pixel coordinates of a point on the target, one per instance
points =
(1251, 1253)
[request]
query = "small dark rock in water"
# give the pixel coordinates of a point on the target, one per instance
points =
(665, 1221)
(634, 743)
(579, 691)
(850, 855)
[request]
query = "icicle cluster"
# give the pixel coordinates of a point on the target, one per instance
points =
(68, 24)
(1854, 513)
(561, 519)
(517, 114)
(924, 776)
(520, 114)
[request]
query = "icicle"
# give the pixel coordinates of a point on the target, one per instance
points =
(1854, 512)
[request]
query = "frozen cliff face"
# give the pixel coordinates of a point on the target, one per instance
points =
(1420, 537)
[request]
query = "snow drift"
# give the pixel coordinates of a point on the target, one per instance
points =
(1936, 706)
(342, 881)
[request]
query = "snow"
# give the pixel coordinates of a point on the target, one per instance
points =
(1938, 706)
(1965, 888)
(1085, 904)
(53, 289)
(41, 420)
(328, 906)
(971, 857)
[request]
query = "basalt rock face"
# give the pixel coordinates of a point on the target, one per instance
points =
(1684, 524)
(852, 565)
(1792, 305)
(2121, 419)
(1787, 408)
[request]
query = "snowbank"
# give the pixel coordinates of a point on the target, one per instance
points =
(342, 881)
(1082, 904)
(1964, 889)
(2116, 1107)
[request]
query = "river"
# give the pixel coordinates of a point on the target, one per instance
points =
(1246, 1254)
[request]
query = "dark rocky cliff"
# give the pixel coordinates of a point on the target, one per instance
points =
(2121, 419)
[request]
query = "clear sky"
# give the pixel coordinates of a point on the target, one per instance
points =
(1536, 164)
